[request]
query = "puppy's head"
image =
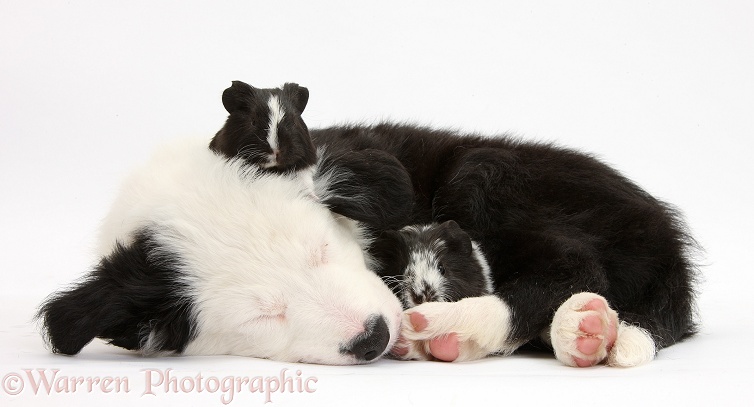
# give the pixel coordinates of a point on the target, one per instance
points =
(318, 303)
(293, 287)
(217, 257)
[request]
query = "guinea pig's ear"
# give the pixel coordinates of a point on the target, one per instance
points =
(456, 238)
(298, 95)
(238, 96)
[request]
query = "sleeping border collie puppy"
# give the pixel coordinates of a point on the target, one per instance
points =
(206, 252)
(580, 256)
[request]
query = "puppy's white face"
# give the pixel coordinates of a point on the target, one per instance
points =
(325, 320)
(313, 307)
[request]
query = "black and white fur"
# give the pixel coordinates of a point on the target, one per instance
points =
(265, 129)
(567, 238)
(430, 263)
(202, 255)
(223, 250)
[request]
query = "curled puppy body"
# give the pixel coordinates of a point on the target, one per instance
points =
(568, 239)
(436, 262)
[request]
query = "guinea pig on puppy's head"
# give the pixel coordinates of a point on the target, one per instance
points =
(265, 128)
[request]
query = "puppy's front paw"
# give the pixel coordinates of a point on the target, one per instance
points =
(469, 329)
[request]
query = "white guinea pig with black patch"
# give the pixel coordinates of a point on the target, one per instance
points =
(435, 262)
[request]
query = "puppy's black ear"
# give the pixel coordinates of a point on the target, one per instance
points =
(73, 318)
(298, 95)
(369, 186)
(390, 250)
(134, 298)
(238, 96)
(457, 239)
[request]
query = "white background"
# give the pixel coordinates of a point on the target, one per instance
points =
(662, 90)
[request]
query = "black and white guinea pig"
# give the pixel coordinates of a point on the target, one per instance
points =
(433, 262)
(265, 128)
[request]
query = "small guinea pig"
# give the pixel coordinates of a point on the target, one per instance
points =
(265, 128)
(435, 262)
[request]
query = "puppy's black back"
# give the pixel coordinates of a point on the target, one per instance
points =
(552, 221)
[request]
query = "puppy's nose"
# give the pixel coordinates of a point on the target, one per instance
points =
(370, 344)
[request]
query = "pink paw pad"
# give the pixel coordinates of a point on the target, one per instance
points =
(443, 348)
(598, 332)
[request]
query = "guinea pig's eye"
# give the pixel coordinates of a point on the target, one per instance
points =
(441, 269)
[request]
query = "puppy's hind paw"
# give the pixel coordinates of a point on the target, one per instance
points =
(584, 330)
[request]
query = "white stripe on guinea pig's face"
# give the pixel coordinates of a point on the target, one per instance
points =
(443, 264)
(425, 283)
(276, 116)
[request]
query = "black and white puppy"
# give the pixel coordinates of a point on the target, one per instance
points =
(210, 253)
(580, 256)
(431, 263)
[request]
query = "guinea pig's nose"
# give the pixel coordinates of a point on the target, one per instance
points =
(370, 344)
